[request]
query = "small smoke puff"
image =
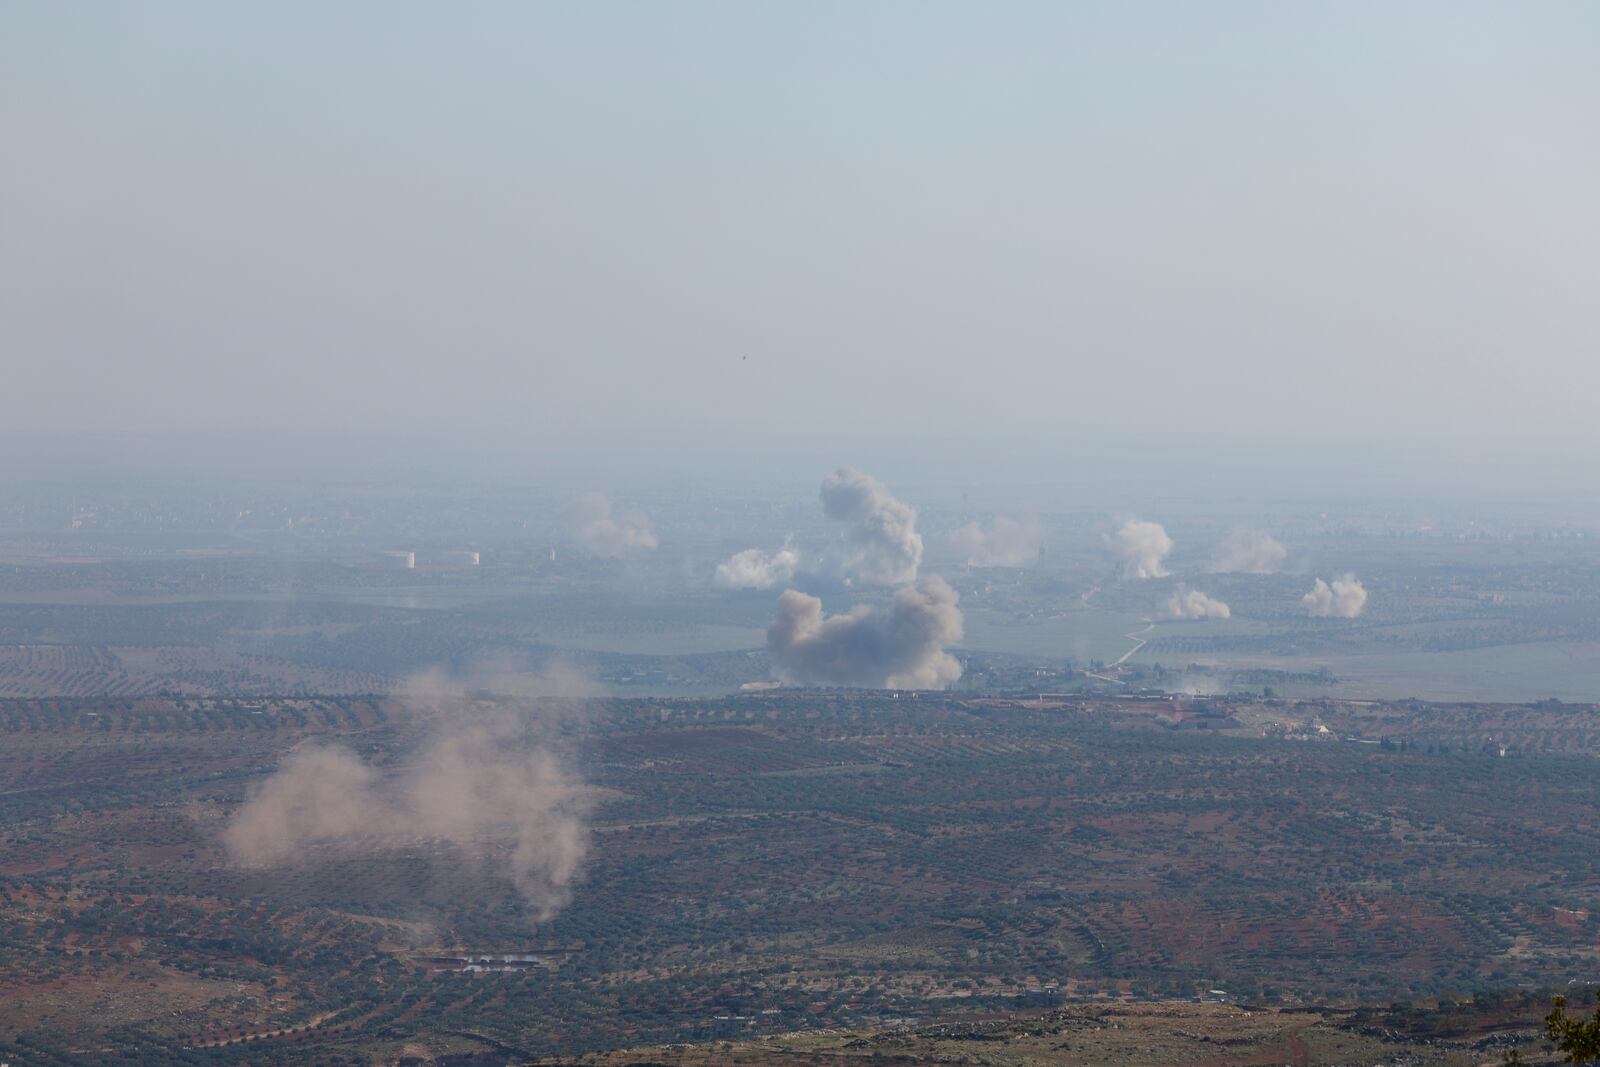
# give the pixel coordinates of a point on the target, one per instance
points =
(898, 647)
(598, 532)
(1249, 552)
(1143, 548)
(881, 545)
(757, 569)
(1344, 599)
(1007, 542)
(1193, 604)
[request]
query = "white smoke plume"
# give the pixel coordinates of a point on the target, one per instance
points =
(899, 647)
(881, 546)
(755, 568)
(1007, 542)
(1143, 547)
(1344, 599)
(1248, 552)
(1193, 604)
(598, 532)
(486, 781)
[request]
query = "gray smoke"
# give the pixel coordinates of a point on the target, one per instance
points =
(1007, 542)
(1193, 604)
(487, 781)
(595, 530)
(1143, 548)
(756, 568)
(1248, 552)
(881, 545)
(899, 647)
(1344, 599)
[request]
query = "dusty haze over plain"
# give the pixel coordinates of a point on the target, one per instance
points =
(822, 230)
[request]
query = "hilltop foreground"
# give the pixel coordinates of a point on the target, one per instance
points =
(1135, 1035)
(843, 865)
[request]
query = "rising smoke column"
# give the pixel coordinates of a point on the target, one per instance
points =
(467, 791)
(1344, 599)
(1143, 548)
(755, 568)
(1007, 542)
(1248, 552)
(595, 530)
(881, 546)
(898, 647)
(486, 781)
(1193, 604)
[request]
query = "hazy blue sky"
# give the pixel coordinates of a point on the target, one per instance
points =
(809, 227)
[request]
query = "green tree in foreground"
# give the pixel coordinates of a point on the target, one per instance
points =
(1578, 1037)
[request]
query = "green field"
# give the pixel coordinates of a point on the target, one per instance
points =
(1081, 635)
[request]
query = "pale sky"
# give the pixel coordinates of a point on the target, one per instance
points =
(662, 225)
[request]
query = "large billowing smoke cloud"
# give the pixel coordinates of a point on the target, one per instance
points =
(1193, 604)
(1007, 542)
(1249, 552)
(1344, 599)
(487, 781)
(317, 795)
(595, 530)
(881, 545)
(898, 647)
(756, 568)
(1143, 547)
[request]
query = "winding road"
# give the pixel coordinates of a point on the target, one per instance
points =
(1138, 642)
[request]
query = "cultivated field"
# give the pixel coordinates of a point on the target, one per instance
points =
(796, 861)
